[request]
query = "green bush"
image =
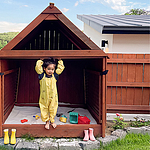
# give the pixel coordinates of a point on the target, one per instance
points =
(119, 122)
(139, 122)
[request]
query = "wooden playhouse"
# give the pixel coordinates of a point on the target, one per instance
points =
(82, 84)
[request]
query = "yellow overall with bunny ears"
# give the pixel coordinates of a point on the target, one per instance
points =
(48, 100)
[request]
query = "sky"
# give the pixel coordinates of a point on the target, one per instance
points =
(15, 15)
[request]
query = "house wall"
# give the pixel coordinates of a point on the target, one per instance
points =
(97, 37)
(131, 43)
(120, 43)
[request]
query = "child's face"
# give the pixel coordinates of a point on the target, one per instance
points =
(50, 69)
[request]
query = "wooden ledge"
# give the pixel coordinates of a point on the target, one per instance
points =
(64, 54)
(129, 84)
(38, 130)
(128, 61)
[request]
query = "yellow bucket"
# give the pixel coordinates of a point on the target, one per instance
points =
(63, 118)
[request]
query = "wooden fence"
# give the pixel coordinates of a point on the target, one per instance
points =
(128, 83)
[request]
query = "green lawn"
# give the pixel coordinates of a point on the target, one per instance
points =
(130, 142)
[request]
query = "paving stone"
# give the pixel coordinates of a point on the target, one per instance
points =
(64, 140)
(69, 146)
(27, 146)
(1, 141)
(89, 145)
(135, 130)
(107, 139)
(147, 130)
(49, 146)
(43, 140)
(119, 133)
(68, 140)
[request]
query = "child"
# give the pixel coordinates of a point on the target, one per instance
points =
(48, 100)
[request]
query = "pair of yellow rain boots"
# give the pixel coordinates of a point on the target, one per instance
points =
(13, 137)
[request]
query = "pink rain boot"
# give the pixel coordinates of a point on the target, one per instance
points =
(92, 138)
(86, 135)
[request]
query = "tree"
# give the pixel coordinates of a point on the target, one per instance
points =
(1, 46)
(137, 12)
(6, 37)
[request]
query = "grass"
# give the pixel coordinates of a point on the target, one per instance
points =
(27, 137)
(130, 142)
(5, 147)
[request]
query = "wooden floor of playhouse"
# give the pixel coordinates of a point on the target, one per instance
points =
(36, 127)
(19, 113)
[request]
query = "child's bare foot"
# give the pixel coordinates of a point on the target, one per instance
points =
(54, 125)
(47, 125)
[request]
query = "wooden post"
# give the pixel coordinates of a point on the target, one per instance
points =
(84, 87)
(2, 98)
(100, 98)
(0, 102)
(104, 98)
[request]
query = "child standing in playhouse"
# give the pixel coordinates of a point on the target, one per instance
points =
(48, 77)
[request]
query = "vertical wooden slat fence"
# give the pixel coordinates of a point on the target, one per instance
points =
(93, 89)
(9, 83)
(95, 96)
(128, 83)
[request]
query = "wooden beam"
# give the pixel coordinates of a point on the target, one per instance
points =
(138, 61)
(104, 98)
(68, 130)
(128, 107)
(10, 71)
(2, 108)
(128, 111)
(36, 54)
(129, 84)
(100, 98)
(51, 17)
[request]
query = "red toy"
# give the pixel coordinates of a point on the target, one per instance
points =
(83, 120)
(24, 120)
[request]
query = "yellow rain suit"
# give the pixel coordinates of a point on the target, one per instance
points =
(48, 100)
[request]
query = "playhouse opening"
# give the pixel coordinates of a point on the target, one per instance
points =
(79, 90)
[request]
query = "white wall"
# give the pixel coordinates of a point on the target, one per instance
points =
(97, 37)
(120, 43)
(131, 43)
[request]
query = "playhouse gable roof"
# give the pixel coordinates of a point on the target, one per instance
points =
(66, 27)
(51, 34)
